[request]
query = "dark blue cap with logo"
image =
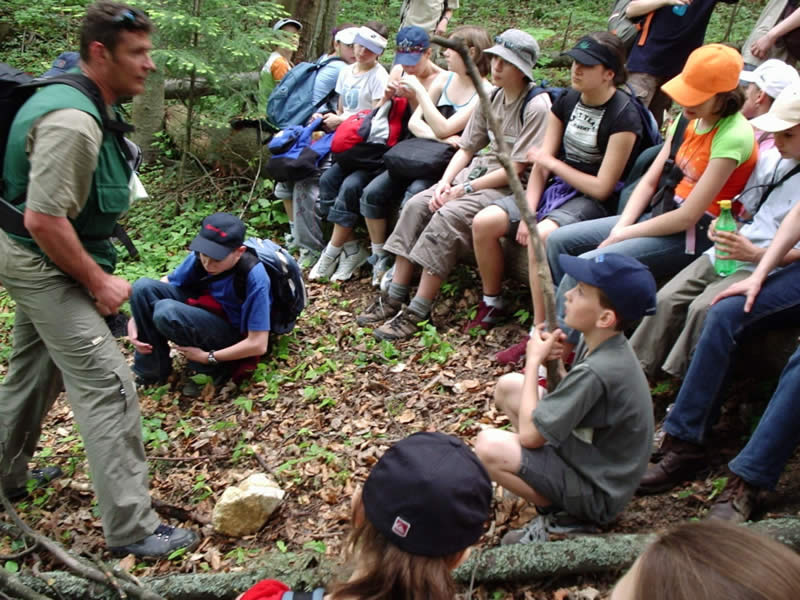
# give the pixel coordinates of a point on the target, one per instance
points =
(62, 64)
(412, 42)
(220, 234)
(628, 284)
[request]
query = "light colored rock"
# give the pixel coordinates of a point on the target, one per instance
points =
(243, 509)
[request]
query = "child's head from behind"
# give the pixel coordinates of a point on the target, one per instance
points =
(477, 40)
(423, 505)
(783, 119)
(514, 55)
(613, 291)
(708, 560)
(220, 242)
(370, 42)
(708, 85)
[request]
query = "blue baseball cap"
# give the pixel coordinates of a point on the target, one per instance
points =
(62, 64)
(412, 42)
(628, 284)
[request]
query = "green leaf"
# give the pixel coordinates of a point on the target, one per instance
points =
(281, 545)
(11, 566)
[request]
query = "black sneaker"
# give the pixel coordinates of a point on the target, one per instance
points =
(160, 544)
(42, 477)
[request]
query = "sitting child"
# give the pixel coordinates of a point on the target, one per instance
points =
(423, 505)
(197, 307)
(711, 560)
(581, 448)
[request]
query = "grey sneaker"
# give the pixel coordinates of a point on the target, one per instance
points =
(380, 268)
(308, 258)
(387, 279)
(324, 267)
(736, 503)
(403, 325)
(383, 308)
(160, 544)
(534, 531)
(350, 262)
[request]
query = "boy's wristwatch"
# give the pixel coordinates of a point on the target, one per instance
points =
(468, 189)
(212, 360)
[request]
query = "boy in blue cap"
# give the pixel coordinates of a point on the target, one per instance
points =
(583, 447)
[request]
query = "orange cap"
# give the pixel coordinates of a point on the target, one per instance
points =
(709, 70)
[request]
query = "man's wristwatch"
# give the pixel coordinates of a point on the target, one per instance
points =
(212, 360)
(468, 189)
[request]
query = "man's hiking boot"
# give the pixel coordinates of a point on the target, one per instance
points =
(160, 544)
(486, 317)
(41, 477)
(403, 325)
(680, 461)
(379, 311)
(736, 503)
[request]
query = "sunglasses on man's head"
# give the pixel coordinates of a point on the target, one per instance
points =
(129, 17)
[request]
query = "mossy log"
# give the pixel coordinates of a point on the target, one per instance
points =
(503, 564)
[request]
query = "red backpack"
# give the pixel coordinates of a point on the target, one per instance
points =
(362, 139)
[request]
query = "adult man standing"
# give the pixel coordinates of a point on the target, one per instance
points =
(71, 169)
(432, 15)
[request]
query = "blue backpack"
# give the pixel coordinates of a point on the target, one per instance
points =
(286, 281)
(293, 156)
(290, 101)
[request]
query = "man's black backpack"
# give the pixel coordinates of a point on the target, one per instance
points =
(15, 88)
(286, 281)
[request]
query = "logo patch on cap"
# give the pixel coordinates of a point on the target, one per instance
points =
(583, 45)
(401, 527)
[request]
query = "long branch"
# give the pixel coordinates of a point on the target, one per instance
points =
(504, 157)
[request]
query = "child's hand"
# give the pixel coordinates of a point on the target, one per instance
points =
(542, 345)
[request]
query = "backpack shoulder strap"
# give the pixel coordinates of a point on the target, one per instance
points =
(241, 271)
(677, 137)
(775, 184)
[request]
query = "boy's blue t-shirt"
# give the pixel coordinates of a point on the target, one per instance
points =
(251, 315)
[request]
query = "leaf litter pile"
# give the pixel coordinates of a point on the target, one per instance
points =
(317, 414)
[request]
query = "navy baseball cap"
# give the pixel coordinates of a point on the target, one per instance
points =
(412, 42)
(429, 495)
(588, 51)
(63, 63)
(628, 284)
(220, 234)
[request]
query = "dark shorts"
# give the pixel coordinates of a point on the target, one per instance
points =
(576, 210)
(547, 473)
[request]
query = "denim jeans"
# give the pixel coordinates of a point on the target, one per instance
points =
(699, 400)
(162, 316)
(772, 444)
(385, 193)
(664, 255)
(340, 194)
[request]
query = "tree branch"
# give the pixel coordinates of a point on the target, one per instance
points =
(503, 156)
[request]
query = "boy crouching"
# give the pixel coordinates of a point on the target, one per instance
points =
(582, 448)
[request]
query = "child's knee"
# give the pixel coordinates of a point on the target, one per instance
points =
(497, 449)
(507, 391)
(490, 223)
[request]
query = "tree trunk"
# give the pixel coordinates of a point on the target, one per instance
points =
(148, 115)
(318, 18)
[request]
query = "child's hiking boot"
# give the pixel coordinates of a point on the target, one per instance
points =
(41, 477)
(403, 325)
(680, 461)
(736, 503)
(324, 267)
(351, 259)
(160, 544)
(513, 354)
(380, 267)
(486, 317)
(385, 307)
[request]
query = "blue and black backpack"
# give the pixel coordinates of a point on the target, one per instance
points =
(290, 101)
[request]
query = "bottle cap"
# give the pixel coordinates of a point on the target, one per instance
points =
(725, 204)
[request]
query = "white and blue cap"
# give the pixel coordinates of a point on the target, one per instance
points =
(281, 23)
(371, 40)
(627, 283)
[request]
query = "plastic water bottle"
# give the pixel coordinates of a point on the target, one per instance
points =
(725, 222)
(679, 9)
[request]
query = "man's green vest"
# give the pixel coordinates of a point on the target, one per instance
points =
(108, 196)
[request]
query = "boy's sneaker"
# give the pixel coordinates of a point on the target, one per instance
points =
(307, 258)
(41, 477)
(513, 354)
(324, 267)
(534, 531)
(380, 268)
(160, 544)
(486, 317)
(402, 326)
(386, 280)
(383, 308)
(350, 263)
(540, 529)
(736, 503)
